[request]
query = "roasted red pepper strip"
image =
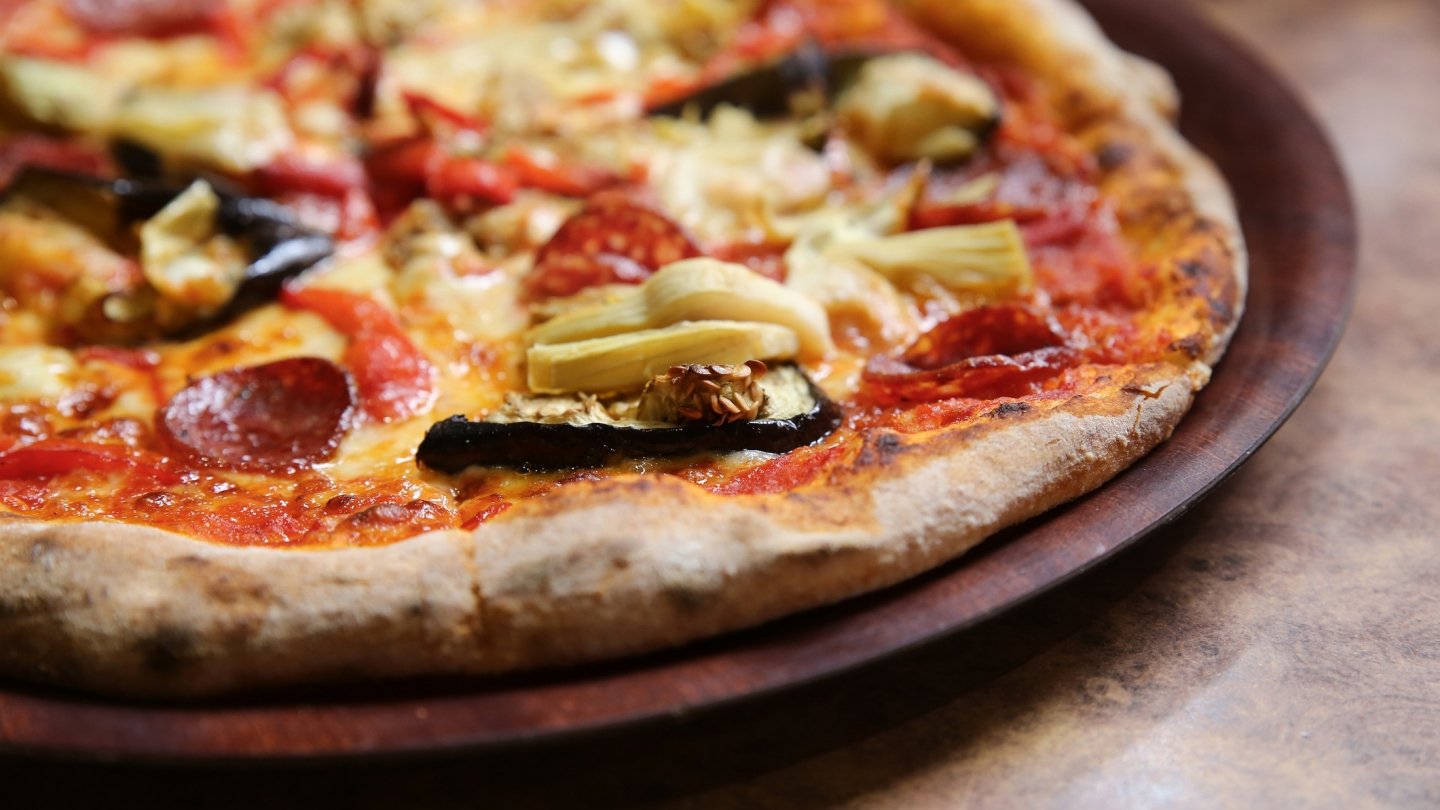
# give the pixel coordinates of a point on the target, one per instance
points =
(22, 150)
(146, 18)
(429, 112)
(784, 473)
(451, 180)
(545, 171)
(409, 168)
(394, 378)
(51, 457)
(329, 195)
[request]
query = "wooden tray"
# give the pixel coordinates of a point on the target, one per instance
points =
(1298, 220)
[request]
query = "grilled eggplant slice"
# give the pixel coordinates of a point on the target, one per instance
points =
(797, 413)
(775, 88)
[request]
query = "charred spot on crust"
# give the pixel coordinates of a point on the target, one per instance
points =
(880, 449)
(1192, 346)
(1193, 268)
(1113, 155)
(169, 650)
(1221, 310)
(1009, 409)
(686, 598)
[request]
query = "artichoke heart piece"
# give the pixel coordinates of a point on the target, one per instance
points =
(56, 94)
(185, 257)
(697, 290)
(628, 361)
(987, 259)
(205, 256)
(911, 107)
(233, 129)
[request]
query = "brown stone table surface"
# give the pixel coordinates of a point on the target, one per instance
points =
(1277, 647)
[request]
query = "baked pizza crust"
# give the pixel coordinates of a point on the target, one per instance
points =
(623, 565)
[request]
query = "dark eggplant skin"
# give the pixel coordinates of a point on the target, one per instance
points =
(279, 247)
(454, 444)
(768, 89)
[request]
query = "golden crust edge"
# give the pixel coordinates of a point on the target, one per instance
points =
(605, 577)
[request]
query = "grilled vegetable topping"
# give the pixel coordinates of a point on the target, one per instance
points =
(796, 82)
(794, 413)
(987, 259)
(626, 362)
(205, 256)
(695, 290)
(911, 107)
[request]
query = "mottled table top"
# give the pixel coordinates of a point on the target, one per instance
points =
(1278, 647)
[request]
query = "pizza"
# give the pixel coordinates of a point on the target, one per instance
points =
(378, 339)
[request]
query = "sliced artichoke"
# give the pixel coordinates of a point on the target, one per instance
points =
(627, 361)
(57, 94)
(231, 128)
(699, 289)
(204, 257)
(987, 260)
(185, 257)
(910, 107)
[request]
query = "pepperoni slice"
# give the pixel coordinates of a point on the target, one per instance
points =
(144, 18)
(283, 415)
(614, 240)
(986, 353)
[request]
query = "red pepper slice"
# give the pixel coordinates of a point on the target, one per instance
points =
(545, 171)
(429, 112)
(48, 458)
(455, 181)
(394, 378)
(25, 149)
(783, 473)
(415, 166)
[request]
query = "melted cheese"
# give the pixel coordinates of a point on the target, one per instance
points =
(35, 373)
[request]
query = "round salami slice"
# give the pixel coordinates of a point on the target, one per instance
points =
(614, 240)
(287, 414)
(985, 353)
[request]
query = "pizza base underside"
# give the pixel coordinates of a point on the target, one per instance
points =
(623, 565)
